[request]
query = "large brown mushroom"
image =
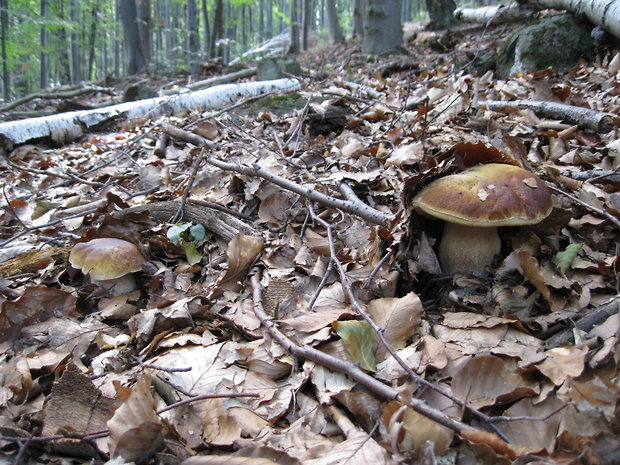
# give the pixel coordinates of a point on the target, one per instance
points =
(109, 262)
(474, 203)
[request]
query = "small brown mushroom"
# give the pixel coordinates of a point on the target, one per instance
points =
(109, 262)
(474, 203)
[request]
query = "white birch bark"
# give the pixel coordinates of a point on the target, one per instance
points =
(65, 127)
(604, 13)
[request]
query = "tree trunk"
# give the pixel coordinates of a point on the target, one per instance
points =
(92, 39)
(134, 55)
(382, 27)
(335, 33)
(76, 74)
(45, 74)
(207, 34)
(440, 13)
(269, 25)
(193, 44)
(218, 27)
(359, 12)
(4, 30)
(306, 24)
(143, 9)
(294, 27)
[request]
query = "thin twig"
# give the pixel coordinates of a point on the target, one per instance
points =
(362, 210)
(190, 183)
(596, 210)
(357, 306)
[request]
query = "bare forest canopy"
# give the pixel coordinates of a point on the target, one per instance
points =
(321, 232)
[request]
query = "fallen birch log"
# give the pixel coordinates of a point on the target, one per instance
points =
(497, 14)
(69, 126)
(584, 117)
(604, 13)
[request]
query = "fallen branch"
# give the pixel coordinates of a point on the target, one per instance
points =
(214, 81)
(584, 117)
(354, 207)
(57, 95)
(378, 388)
(592, 208)
(586, 323)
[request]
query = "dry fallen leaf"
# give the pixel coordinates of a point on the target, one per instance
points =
(135, 429)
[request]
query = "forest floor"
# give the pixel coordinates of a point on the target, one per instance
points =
(215, 352)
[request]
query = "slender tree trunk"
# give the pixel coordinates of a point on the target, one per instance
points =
(207, 34)
(4, 33)
(92, 39)
(143, 10)
(76, 75)
(45, 73)
(294, 27)
(193, 44)
(306, 24)
(269, 25)
(117, 42)
(218, 27)
(134, 55)
(335, 33)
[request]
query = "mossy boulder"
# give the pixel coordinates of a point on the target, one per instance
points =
(557, 41)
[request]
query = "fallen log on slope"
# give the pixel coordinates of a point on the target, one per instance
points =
(584, 117)
(69, 126)
(604, 13)
(497, 14)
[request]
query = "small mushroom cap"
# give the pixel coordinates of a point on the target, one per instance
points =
(106, 258)
(488, 195)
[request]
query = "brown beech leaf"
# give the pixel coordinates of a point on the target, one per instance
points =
(241, 252)
(135, 429)
(486, 380)
(533, 436)
(219, 428)
(563, 363)
(38, 303)
(274, 208)
(398, 317)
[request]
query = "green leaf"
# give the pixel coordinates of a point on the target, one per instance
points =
(564, 260)
(191, 252)
(174, 232)
(358, 339)
(198, 233)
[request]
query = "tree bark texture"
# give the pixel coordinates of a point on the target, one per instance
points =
(441, 13)
(382, 27)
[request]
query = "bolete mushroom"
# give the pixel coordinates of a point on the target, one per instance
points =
(109, 262)
(474, 203)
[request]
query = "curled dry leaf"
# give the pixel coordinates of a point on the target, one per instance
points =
(563, 363)
(241, 252)
(135, 429)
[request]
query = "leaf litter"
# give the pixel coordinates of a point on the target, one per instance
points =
(183, 369)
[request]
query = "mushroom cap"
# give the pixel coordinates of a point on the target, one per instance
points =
(488, 195)
(106, 258)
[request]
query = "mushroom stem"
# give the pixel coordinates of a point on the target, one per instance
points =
(117, 286)
(468, 248)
